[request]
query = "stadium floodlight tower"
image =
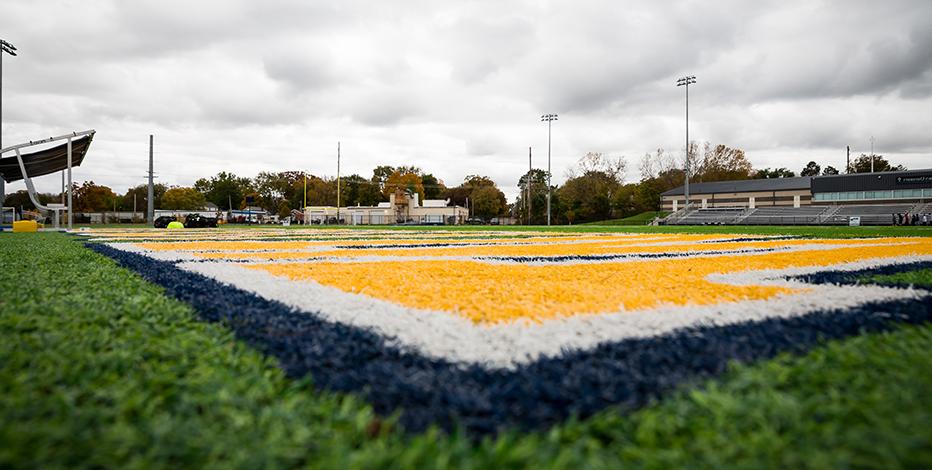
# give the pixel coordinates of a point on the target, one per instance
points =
(8, 48)
(549, 118)
(686, 81)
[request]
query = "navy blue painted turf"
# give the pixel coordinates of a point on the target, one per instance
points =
(627, 374)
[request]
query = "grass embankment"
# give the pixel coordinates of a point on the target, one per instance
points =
(99, 369)
(643, 218)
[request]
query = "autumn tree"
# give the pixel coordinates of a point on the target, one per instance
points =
(90, 197)
(183, 199)
(721, 163)
(408, 183)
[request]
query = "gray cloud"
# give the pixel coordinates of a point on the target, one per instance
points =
(457, 87)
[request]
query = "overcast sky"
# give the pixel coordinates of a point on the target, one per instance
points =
(457, 88)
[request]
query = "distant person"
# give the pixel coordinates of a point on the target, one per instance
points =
(894, 218)
(899, 218)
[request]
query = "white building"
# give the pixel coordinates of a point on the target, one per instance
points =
(399, 209)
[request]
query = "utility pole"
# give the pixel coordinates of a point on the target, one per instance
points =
(549, 118)
(872, 154)
(150, 200)
(848, 160)
(686, 81)
(9, 49)
(338, 183)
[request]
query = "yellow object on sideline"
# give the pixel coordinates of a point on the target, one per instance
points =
(25, 226)
(175, 224)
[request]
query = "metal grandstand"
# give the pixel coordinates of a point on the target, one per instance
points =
(869, 214)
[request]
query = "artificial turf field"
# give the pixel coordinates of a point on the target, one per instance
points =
(100, 368)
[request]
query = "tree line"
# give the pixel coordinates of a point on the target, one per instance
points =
(595, 187)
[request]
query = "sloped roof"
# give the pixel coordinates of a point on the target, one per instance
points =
(44, 162)
(744, 186)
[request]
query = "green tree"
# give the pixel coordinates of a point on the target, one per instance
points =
(537, 180)
(862, 164)
(811, 169)
(488, 202)
(321, 191)
(185, 199)
(433, 187)
(274, 188)
(356, 190)
(141, 194)
(380, 175)
(224, 189)
(830, 170)
(773, 173)
(20, 200)
(589, 196)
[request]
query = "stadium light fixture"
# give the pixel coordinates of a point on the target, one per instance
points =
(549, 118)
(686, 81)
(9, 49)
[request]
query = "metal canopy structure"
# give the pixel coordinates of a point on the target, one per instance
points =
(43, 162)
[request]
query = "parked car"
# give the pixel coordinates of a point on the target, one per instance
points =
(199, 221)
(475, 221)
(163, 221)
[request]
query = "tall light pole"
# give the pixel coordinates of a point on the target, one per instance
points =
(872, 154)
(549, 118)
(686, 81)
(9, 49)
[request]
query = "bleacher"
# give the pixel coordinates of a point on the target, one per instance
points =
(873, 214)
(780, 215)
(878, 214)
(716, 216)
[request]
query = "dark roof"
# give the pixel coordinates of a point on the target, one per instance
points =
(743, 186)
(886, 180)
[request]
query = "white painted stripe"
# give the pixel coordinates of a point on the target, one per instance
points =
(448, 336)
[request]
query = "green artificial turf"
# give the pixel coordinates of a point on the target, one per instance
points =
(918, 278)
(99, 369)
